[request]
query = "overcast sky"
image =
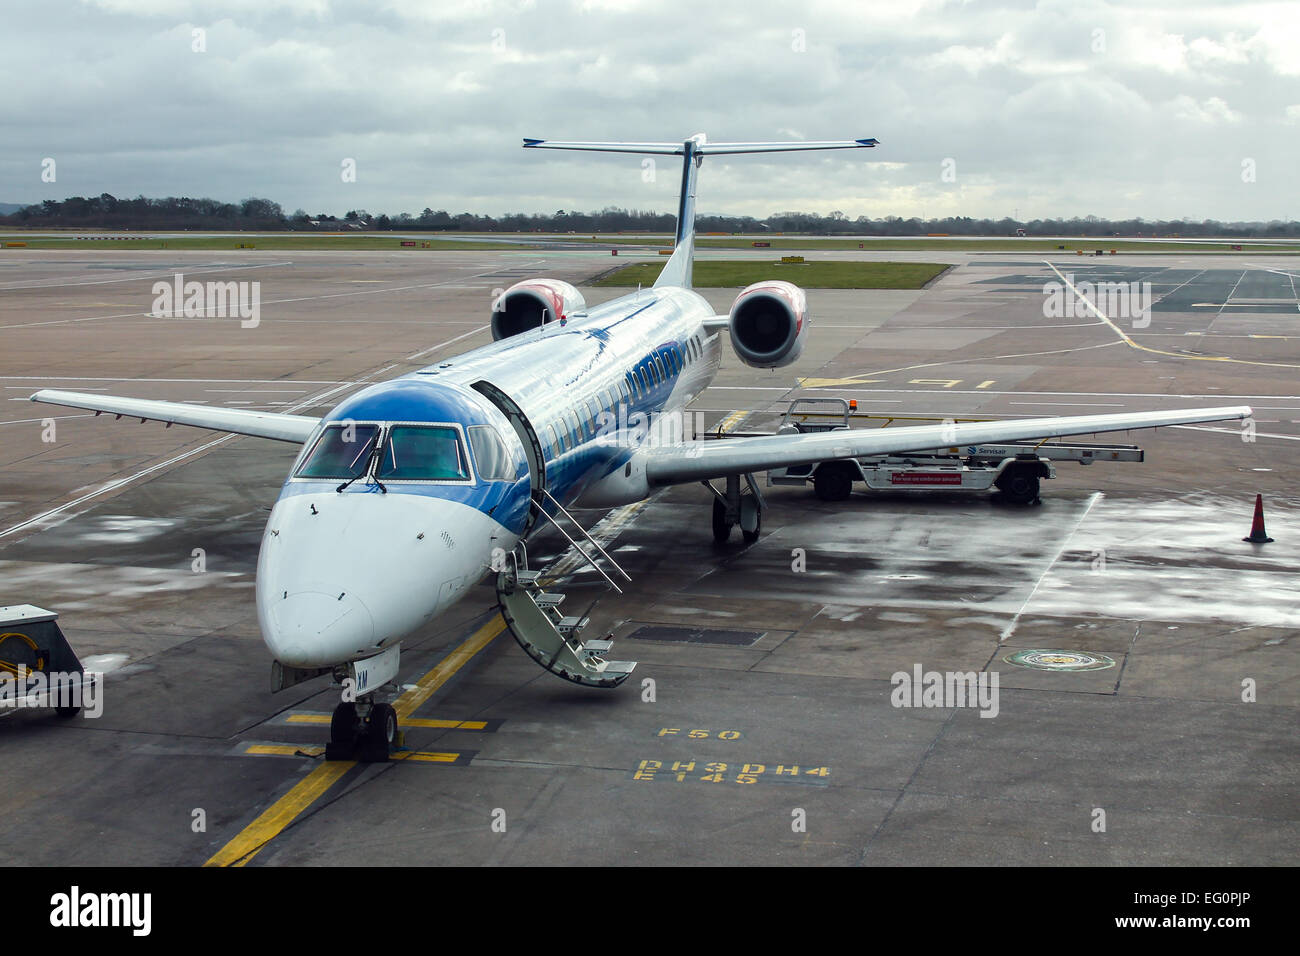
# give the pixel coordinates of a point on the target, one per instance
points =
(1059, 108)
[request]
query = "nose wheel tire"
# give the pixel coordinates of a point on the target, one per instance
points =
(380, 733)
(345, 725)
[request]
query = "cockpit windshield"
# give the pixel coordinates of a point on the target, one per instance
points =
(423, 453)
(342, 451)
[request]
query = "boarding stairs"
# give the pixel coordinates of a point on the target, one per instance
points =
(542, 629)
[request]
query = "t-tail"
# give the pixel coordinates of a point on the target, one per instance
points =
(677, 270)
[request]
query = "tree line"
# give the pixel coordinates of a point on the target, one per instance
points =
(108, 212)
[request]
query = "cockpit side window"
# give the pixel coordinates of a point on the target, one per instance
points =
(423, 453)
(490, 454)
(342, 451)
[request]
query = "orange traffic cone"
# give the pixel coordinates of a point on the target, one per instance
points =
(1257, 533)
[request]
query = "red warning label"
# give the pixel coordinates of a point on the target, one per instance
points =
(925, 478)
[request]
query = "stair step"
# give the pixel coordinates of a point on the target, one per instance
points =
(597, 647)
(528, 578)
(571, 625)
(620, 667)
(548, 599)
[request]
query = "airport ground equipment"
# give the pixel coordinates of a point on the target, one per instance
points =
(1014, 469)
(37, 664)
(542, 629)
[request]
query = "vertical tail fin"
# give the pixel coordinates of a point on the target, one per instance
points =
(677, 270)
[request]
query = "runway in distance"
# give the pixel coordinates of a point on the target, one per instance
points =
(407, 493)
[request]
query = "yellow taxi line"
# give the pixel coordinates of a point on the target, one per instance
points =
(433, 722)
(427, 686)
(249, 841)
(293, 750)
(280, 814)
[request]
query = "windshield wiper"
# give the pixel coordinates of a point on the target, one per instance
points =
(370, 460)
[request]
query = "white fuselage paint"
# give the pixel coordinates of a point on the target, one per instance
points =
(342, 576)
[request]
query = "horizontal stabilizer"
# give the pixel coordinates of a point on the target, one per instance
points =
(677, 271)
(702, 148)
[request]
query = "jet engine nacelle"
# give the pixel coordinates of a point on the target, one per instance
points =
(768, 323)
(532, 303)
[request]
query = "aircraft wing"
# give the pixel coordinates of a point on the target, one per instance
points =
(276, 425)
(693, 461)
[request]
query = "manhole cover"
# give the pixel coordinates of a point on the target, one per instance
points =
(1045, 660)
(696, 635)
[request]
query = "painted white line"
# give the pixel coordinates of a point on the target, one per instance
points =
(121, 482)
(111, 486)
(1237, 431)
(56, 418)
(434, 348)
(1071, 404)
(265, 302)
(203, 269)
(1015, 621)
(100, 378)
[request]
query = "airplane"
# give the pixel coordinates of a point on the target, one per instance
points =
(408, 492)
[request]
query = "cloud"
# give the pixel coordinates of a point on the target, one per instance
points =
(1055, 107)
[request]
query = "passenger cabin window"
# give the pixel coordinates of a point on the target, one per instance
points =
(490, 454)
(423, 453)
(342, 451)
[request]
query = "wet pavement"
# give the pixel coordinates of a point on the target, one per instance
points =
(789, 749)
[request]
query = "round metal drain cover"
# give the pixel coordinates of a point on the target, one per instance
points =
(1045, 660)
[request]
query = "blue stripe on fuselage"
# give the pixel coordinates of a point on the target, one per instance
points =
(570, 473)
(505, 502)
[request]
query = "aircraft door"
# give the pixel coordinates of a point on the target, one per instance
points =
(527, 435)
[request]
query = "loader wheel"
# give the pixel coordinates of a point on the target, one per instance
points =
(1019, 485)
(833, 481)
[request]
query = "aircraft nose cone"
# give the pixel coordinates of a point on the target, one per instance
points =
(316, 628)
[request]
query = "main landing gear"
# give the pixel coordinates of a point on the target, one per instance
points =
(736, 507)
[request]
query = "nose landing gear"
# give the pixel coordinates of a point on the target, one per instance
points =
(368, 738)
(365, 728)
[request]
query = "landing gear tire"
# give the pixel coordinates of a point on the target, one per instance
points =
(721, 528)
(380, 733)
(752, 536)
(833, 482)
(345, 727)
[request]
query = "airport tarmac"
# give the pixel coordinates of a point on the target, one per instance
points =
(770, 735)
